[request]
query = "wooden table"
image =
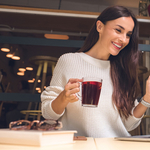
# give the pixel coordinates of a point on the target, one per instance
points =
(112, 144)
(90, 144)
(78, 145)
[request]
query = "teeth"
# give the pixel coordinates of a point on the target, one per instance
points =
(117, 45)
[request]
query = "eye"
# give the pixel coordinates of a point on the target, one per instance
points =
(118, 30)
(129, 35)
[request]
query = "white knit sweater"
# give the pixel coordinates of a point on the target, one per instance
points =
(103, 121)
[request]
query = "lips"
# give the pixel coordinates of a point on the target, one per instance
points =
(117, 45)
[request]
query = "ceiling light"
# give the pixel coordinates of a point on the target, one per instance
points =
(29, 68)
(16, 55)
(22, 68)
(30, 81)
(56, 36)
(39, 91)
(37, 88)
(5, 48)
(11, 53)
(20, 73)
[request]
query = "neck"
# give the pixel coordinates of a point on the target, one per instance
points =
(97, 52)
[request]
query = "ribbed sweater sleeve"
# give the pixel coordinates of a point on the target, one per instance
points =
(56, 87)
(132, 122)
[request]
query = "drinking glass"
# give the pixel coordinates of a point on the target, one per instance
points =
(91, 89)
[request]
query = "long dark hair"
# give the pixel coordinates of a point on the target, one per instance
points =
(124, 73)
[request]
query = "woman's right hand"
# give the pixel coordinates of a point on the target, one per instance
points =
(71, 88)
(68, 95)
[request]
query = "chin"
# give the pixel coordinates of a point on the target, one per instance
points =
(115, 53)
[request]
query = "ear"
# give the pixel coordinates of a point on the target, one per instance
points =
(99, 26)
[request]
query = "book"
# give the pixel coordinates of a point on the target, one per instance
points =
(36, 138)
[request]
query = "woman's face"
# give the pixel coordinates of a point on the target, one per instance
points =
(115, 35)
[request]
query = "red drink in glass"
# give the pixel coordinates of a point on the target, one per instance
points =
(91, 92)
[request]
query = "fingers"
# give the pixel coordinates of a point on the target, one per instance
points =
(73, 80)
(73, 98)
(71, 88)
(70, 85)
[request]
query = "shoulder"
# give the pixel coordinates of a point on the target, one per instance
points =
(65, 65)
(68, 57)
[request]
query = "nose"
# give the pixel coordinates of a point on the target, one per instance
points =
(123, 38)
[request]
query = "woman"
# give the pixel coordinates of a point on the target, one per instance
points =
(111, 53)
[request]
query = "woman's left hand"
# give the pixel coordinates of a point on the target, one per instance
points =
(147, 94)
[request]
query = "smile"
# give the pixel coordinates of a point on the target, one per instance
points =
(118, 46)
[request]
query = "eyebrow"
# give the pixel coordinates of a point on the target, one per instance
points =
(124, 28)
